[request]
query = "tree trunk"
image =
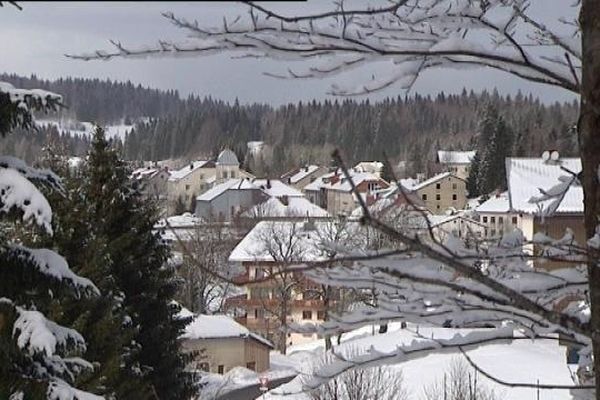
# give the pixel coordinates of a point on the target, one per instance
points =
(589, 147)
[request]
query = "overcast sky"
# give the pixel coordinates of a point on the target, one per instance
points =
(35, 40)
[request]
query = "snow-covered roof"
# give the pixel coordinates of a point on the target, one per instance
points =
(495, 204)
(276, 188)
(227, 157)
(344, 185)
(319, 182)
(179, 221)
(369, 166)
(526, 176)
(233, 184)
(188, 169)
(433, 180)
(455, 157)
(297, 207)
(219, 327)
(302, 173)
(409, 183)
(255, 246)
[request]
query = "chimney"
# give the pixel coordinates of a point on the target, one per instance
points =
(306, 168)
(191, 166)
(285, 200)
(268, 183)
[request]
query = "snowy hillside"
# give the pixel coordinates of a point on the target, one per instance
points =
(77, 128)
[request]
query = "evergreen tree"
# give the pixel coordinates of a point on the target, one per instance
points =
(125, 219)
(495, 145)
(103, 319)
(38, 357)
(472, 187)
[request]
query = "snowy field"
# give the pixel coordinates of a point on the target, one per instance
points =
(522, 361)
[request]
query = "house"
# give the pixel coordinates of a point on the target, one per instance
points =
(298, 178)
(199, 176)
(225, 201)
(222, 344)
(496, 215)
(443, 192)
(285, 208)
(527, 178)
(372, 167)
(333, 191)
(152, 182)
(456, 162)
(186, 183)
(264, 250)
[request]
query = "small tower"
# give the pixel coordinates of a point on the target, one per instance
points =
(227, 165)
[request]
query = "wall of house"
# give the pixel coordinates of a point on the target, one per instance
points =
(229, 204)
(497, 224)
(339, 202)
(460, 170)
(443, 194)
(188, 187)
(228, 352)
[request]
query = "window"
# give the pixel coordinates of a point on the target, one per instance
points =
(260, 273)
(221, 369)
(514, 220)
(251, 365)
(438, 186)
(259, 313)
(500, 220)
(321, 315)
(438, 207)
(306, 314)
(424, 197)
(485, 220)
(493, 220)
(454, 186)
(203, 366)
(438, 196)
(187, 187)
(493, 232)
(454, 197)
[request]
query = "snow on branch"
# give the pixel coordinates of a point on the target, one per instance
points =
(36, 334)
(412, 35)
(53, 265)
(43, 176)
(17, 193)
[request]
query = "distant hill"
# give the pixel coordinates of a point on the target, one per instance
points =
(166, 126)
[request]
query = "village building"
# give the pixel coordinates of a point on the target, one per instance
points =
(221, 344)
(442, 192)
(298, 178)
(496, 215)
(455, 162)
(333, 191)
(259, 307)
(227, 200)
(185, 184)
(152, 182)
(528, 178)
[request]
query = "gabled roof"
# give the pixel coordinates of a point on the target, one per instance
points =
(218, 327)
(276, 188)
(495, 204)
(455, 157)
(188, 169)
(526, 176)
(296, 207)
(233, 184)
(298, 174)
(434, 179)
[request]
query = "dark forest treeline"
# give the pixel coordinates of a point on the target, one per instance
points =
(405, 128)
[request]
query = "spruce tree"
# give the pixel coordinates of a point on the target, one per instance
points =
(103, 319)
(38, 357)
(125, 219)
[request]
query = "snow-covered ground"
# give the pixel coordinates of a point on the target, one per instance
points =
(522, 361)
(77, 128)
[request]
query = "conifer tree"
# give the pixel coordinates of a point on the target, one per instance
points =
(103, 319)
(125, 219)
(39, 358)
